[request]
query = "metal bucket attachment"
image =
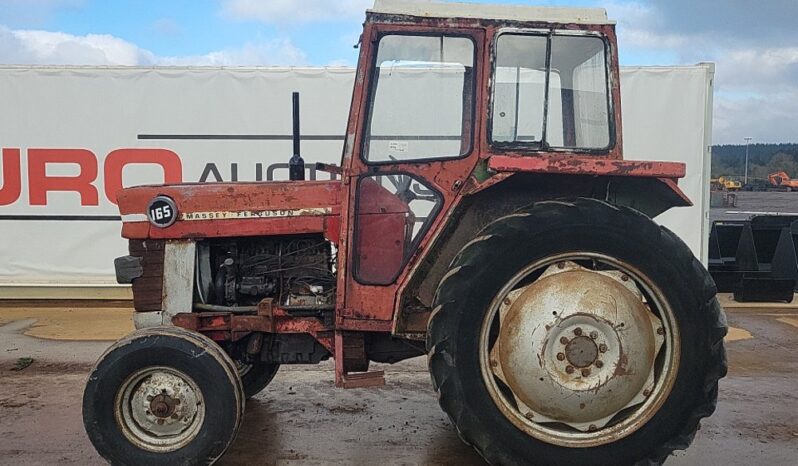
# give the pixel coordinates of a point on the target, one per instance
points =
(755, 259)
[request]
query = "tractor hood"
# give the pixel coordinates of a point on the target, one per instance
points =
(205, 210)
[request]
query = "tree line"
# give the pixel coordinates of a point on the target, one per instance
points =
(763, 159)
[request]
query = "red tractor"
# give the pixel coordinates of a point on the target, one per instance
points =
(482, 215)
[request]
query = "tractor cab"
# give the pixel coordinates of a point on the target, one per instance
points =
(443, 91)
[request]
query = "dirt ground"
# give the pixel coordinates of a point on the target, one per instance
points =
(301, 419)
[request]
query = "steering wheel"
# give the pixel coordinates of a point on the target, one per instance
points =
(402, 184)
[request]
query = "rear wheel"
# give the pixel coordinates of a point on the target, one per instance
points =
(163, 395)
(576, 333)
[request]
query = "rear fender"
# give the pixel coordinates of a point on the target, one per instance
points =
(488, 201)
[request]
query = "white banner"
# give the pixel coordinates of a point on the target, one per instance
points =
(667, 115)
(71, 136)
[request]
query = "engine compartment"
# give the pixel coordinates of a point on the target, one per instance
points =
(293, 270)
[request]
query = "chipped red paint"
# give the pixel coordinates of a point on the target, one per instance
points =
(251, 227)
(574, 165)
(234, 197)
(229, 326)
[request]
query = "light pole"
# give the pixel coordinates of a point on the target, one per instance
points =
(747, 141)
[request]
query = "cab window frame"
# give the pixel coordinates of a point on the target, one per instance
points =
(372, 88)
(542, 145)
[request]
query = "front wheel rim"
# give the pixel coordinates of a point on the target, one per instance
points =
(551, 356)
(159, 409)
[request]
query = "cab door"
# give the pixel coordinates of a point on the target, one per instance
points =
(415, 146)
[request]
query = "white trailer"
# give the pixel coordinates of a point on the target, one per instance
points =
(71, 136)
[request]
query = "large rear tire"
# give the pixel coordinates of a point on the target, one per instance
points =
(576, 333)
(163, 396)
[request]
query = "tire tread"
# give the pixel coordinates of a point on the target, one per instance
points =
(443, 360)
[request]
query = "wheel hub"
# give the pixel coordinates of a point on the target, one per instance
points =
(160, 409)
(576, 346)
(163, 406)
(581, 352)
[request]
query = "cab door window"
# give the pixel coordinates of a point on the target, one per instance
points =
(421, 99)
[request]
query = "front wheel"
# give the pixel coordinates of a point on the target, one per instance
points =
(576, 333)
(163, 396)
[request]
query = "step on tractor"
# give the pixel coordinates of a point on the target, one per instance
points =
(482, 216)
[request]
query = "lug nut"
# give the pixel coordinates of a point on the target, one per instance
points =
(646, 392)
(561, 265)
(602, 348)
(160, 421)
(563, 340)
(493, 363)
(507, 301)
(660, 331)
(592, 428)
(599, 364)
(529, 415)
(569, 369)
(578, 331)
(560, 357)
(625, 277)
(585, 372)
(594, 334)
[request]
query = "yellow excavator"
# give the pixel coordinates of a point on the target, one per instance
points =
(725, 183)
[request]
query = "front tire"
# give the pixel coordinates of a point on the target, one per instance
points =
(163, 396)
(522, 358)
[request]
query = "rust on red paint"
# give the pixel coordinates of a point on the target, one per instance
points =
(234, 228)
(197, 197)
(284, 201)
(574, 165)
(230, 326)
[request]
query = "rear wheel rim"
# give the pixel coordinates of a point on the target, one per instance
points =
(159, 409)
(551, 370)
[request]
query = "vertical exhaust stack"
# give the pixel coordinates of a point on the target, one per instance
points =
(296, 166)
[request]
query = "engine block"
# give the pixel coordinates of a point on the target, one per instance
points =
(295, 270)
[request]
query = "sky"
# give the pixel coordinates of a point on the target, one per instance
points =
(753, 44)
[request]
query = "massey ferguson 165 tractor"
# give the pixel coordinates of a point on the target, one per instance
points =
(482, 215)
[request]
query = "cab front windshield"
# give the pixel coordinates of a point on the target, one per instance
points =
(550, 91)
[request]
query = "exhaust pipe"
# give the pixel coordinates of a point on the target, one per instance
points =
(296, 165)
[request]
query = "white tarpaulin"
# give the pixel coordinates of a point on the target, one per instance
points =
(667, 115)
(78, 132)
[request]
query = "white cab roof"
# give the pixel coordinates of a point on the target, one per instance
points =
(492, 11)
